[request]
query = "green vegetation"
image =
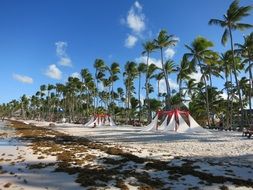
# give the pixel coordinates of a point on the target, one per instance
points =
(78, 99)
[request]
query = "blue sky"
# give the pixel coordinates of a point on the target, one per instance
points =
(46, 41)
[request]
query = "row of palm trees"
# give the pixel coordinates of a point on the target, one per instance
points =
(80, 98)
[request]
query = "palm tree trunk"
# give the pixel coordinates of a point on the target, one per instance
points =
(168, 96)
(139, 96)
(147, 90)
(207, 98)
(250, 90)
(228, 103)
(236, 79)
(211, 86)
(158, 85)
(232, 103)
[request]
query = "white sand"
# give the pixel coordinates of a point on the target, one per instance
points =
(221, 145)
(17, 156)
(228, 150)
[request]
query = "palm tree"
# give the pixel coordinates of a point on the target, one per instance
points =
(231, 21)
(225, 60)
(114, 70)
(159, 77)
(49, 88)
(130, 74)
(148, 47)
(170, 67)
(163, 41)
(246, 51)
(182, 75)
(141, 69)
(42, 90)
(99, 66)
(24, 106)
(198, 53)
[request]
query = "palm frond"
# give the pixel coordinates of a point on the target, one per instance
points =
(243, 26)
(216, 22)
(224, 38)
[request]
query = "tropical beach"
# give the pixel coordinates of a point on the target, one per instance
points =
(162, 109)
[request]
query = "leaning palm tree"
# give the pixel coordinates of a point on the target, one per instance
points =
(231, 21)
(163, 41)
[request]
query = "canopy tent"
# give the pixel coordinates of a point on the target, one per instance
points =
(179, 121)
(100, 120)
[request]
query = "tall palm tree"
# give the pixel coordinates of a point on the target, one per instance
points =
(114, 70)
(225, 60)
(159, 76)
(42, 93)
(141, 69)
(198, 52)
(99, 66)
(150, 72)
(246, 51)
(49, 88)
(232, 21)
(148, 47)
(162, 41)
(130, 74)
(182, 75)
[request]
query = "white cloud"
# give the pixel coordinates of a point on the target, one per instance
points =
(53, 72)
(23, 78)
(130, 41)
(135, 20)
(169, 53)
(61, 48)
(76, 75)
(62, 54)
(143, 59)
(173, 85)
(137, 5)
(65, 61)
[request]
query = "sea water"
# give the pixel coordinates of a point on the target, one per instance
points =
(6, 138)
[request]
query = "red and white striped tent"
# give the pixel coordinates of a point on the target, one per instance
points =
(100, 120)
(175, 120)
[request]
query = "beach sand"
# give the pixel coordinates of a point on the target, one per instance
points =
(125, 157)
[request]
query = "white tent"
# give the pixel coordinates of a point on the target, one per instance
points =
(182, 125)
(92, 123)
(164, 124)
(111, 122)
(100, 121)
(195, 127)
(172, 124)
(89, 122)
(152, 125)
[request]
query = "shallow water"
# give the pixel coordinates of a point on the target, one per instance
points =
(7, 139)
